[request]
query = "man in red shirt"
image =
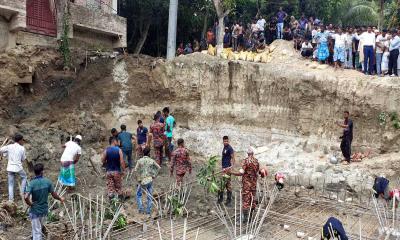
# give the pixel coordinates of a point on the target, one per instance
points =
(180, 162)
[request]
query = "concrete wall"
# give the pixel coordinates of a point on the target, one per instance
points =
(91, 40)
(33, 39)
(13, 19)
(4, 33)
(103, 5)
(16, 4)
(111, 25)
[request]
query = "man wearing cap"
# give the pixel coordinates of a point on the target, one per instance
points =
(15, 154)
(69, 158)
(249, 173)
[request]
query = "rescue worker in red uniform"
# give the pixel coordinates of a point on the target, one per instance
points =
(249, 173)
(180, 162)
(157, 136)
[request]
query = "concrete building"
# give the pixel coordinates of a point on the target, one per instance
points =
(92, 23)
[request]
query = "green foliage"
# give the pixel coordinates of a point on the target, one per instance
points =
(208, 178)
(382, 118)
(393, 117)
(360, 13)
(64, 47)
(51, 217)
(177, 206)
(114, 204)
(121, 222)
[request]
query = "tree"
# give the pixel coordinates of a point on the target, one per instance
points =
(140, 15)
(223, 8)
(360, 13)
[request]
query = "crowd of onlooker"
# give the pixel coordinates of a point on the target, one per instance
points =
(367, 49)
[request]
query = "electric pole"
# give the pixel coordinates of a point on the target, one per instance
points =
(172, 22)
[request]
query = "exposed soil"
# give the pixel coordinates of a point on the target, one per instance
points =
(209, 99)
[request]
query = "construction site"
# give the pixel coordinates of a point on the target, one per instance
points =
(284, 107)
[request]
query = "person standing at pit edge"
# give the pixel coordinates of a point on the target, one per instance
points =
(347, 137)
(228, 161)
(16, 155)
(169, 127)
(125, 142)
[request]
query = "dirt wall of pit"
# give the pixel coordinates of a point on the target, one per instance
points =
(288, 95)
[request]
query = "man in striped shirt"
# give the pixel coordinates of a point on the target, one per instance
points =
(16, 154)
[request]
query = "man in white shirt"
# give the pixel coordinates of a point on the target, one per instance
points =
(15, 154)
(348, 52)
(368, 41)
(313, 34)
(340, 44)
(306, 49)
(69, 158)
(381, 41)
(261, 24)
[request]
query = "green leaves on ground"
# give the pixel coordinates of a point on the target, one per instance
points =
(177, 206)
(121, 222)
(392, 117)
(52, 217)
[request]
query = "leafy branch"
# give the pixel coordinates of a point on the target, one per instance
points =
(208, 177)
(64, 47)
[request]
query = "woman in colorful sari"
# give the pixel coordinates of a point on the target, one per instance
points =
(323, 50)
(69, 158)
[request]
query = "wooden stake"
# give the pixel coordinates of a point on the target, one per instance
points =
(159, 229)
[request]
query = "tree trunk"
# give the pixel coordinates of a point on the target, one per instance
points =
(220, 37)
(221, 15)
(143, 37)
(258, 8)
(381, 6)
(205, 25)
